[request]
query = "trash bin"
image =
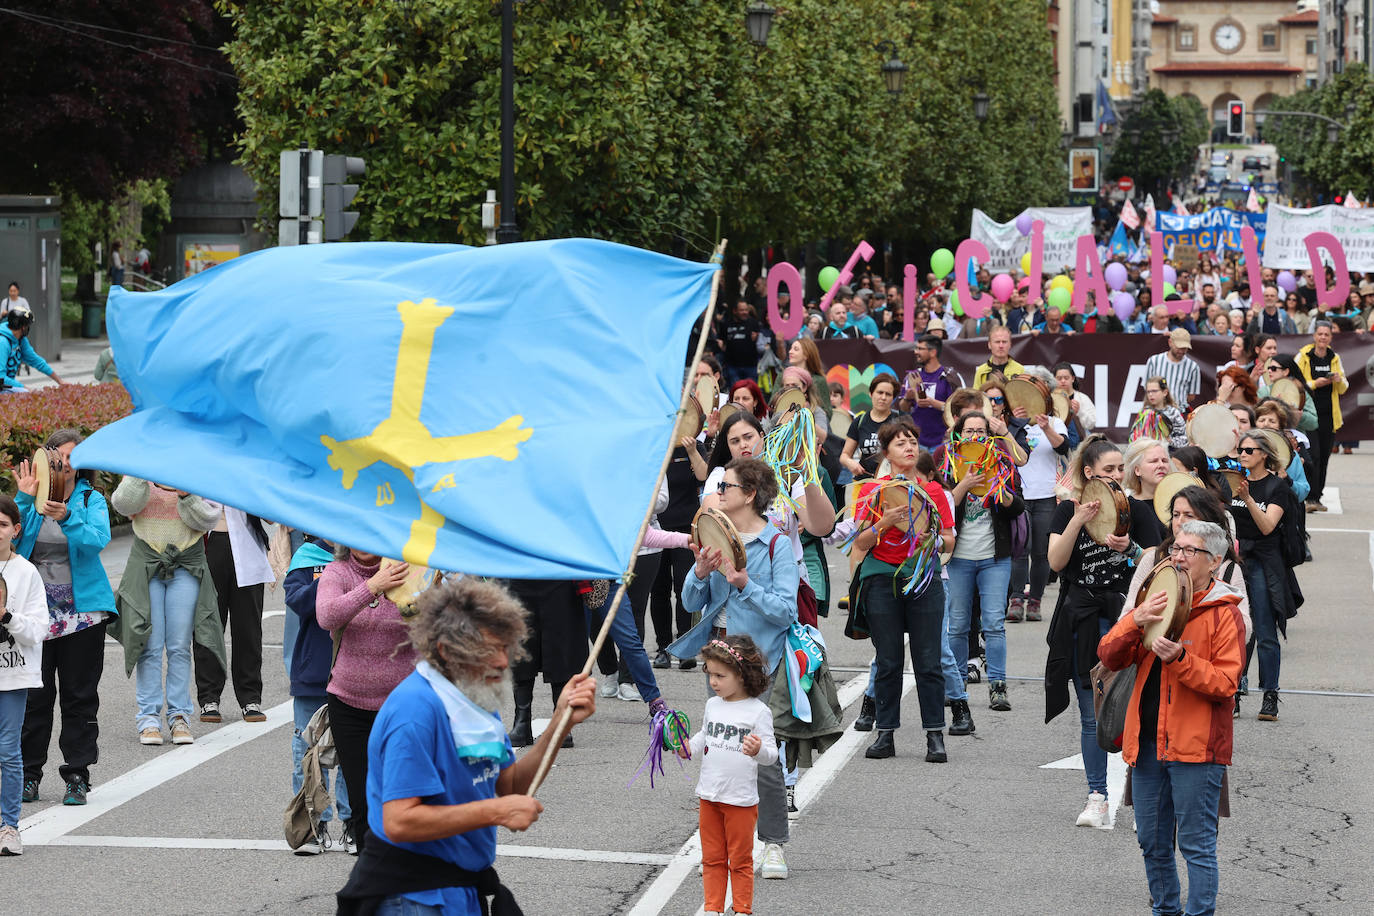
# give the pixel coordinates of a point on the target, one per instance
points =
(92, 317)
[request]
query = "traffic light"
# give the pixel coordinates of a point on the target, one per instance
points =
(300, 197)
(1235, 119)
(338, 194)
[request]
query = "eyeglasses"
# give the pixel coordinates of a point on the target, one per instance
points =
(1248, 450)
(725, 485)
(998, 400)
(1188, 552)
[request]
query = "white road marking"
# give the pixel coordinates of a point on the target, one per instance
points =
(51, 823)
(266, 614)
(1116, 778)
(513, 852)
(1367, 531)
(809, 787)
(1331, 498)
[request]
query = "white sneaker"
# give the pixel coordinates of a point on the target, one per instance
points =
(1095, 813)
(774, 865)
(609, 688)
(10, 844)
(318, 844)
(629, 693)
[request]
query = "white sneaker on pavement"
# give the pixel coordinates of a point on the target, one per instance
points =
(774, 865)
(629, 693)
(609, 688)
(10, 844)
(1095, 813)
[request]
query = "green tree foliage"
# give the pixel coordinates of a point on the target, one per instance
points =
(644, 121)
(1148, 159)
(1331, 168)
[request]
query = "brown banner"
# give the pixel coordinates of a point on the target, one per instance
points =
(1111, 367)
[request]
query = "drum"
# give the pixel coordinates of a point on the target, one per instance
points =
(985, 410)
(788, 399)
(1290, 392)
(1282, 451)
(417, 582)
(1029, 392)
(1167, 489)
(1214, 429)
(1174, 583)
(1059, 404)
(713, 528)
(1114, 510)
(689, 421)
(707, 394)
(51, 472)
(839, 421)
(972, 456)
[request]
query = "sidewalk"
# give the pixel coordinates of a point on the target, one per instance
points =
(76, 365)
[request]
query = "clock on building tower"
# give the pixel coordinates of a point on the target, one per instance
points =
(1228, 36)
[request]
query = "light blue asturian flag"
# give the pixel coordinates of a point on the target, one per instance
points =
(1119, 244)
(500, 411)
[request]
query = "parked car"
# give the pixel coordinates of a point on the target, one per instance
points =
(1220, 157)
(1265, 162)
(1252, 164)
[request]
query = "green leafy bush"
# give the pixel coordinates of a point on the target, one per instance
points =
(29, 417)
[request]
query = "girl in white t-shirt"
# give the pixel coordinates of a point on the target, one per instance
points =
(23, 622)
(736, 736)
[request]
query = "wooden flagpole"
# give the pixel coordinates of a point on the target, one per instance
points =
(563, 723)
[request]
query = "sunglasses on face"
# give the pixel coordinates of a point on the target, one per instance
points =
(1248, 450)
(725, 485)
(997, 400)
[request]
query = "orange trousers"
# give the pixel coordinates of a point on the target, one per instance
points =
(727, 848)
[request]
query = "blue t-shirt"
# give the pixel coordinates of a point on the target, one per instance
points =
(411, 754)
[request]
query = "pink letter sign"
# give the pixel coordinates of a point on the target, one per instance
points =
(1315, 242)
(863, 252)
(968, 250)
(1249, 245)
(1088, 278)
(780, 273)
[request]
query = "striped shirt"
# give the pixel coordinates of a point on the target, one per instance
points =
(1184, 378)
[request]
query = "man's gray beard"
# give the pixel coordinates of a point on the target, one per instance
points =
(489, 696)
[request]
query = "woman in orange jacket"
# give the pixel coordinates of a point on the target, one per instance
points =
(1178, 724)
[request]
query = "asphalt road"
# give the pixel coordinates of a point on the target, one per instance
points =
(182, 830)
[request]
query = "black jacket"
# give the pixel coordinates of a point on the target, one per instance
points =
(1002, 517)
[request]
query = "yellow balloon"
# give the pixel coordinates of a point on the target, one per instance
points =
(1026, 263)
(1061, 282)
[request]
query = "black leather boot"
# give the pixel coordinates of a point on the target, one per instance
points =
(935, 747)
(882, 746)
(867, 711)
(961, 718)
(521, 732)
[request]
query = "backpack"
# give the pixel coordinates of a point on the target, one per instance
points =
(1111, 702)
(301, 822)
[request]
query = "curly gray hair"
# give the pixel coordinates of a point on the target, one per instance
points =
(458, 615)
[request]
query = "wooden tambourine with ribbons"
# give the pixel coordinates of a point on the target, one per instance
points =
(689, 421)
(972, 456)
(713, 528)
(896, 495)
(1113, 512)
(1176, 585)
(787, 399)
(1060, 404)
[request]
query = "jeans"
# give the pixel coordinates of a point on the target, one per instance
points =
(11, 758)
(1260, 583)
(1094, 758)
(1035, 566)
(735, 373)
(637, 596)
(173, 606)
(633, 659)
(304, 708)
(1177, 800)
(240, 608)
(396, 905)
(956, 677)
(72, 666)
(773, 826)
(990, 578)
(891, 615)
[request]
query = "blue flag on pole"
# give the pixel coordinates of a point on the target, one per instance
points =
(501, 411)
(1119, 244)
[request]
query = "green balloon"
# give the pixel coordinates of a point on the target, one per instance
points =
(1060, 299)
(954, 304)
(828, 276)
(942, 262)
(1169, 290)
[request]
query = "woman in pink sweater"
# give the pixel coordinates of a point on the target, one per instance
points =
(374, 655)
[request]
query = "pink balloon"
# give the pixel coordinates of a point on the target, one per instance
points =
(1002, 287)
(1116, 275)
(1023, 223)
(1286, 281)
(1124, 305)
(1170, 275)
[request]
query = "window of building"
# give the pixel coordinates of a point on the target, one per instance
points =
(1311, 45)
(1187, 38)
(1311, 82)
(1269, 38)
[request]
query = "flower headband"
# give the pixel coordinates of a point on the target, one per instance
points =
(727, 648)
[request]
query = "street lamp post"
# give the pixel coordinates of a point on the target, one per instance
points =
(509, 229)
(759, 20)
(894, 71)
(980, 106)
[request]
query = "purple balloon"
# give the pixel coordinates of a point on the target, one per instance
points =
(1170, 275)
(1115, 275)
(1002, 287)
(1287, 282)
(1023, 224)
(1123, 304)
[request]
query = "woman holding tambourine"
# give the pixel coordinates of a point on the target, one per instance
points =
(1257, 507)
(1094, 569)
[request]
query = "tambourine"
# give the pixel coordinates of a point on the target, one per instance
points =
(1233, 474)
(1167, 489)
(899, 494)
(707, 393)
(950, 418)
(1289, 392)
(839, 422)
(729, 410)
(1214, 429)
(1283, 453)
(51, 471)
(969, 456)
(690, 421)
(1114, 510)
(788, 399)
(1028, 392)
(418, 580)
(1059, 404)
(713, 528)
(1174, 583)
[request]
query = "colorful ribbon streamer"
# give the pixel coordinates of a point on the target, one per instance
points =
(669, 730)
(994, 464)
(790, 450)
